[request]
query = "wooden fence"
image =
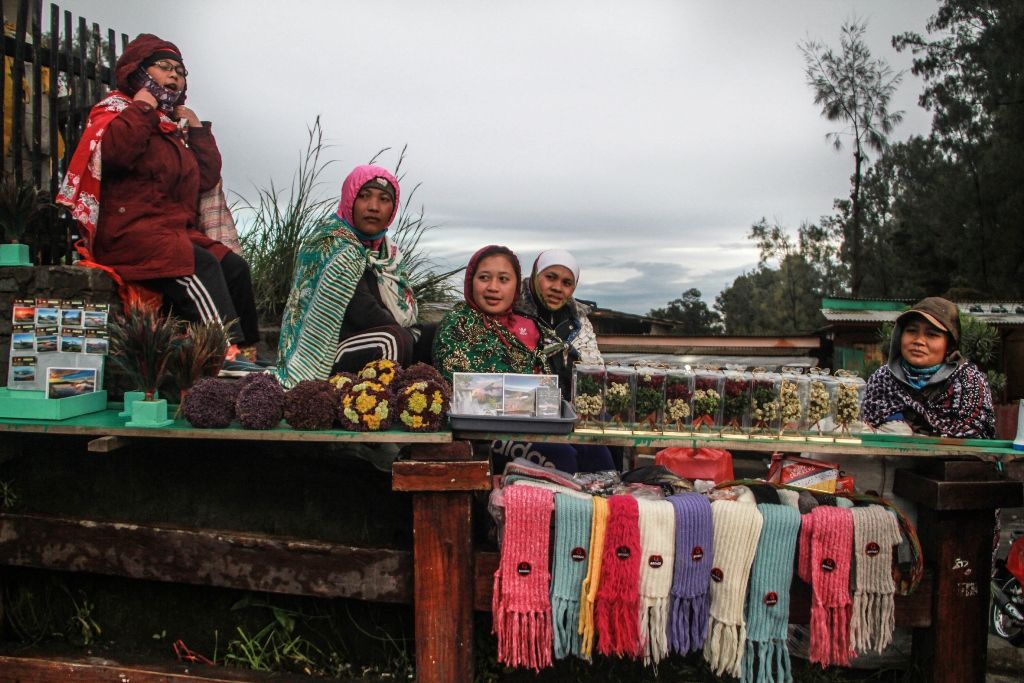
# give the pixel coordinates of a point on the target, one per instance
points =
(51, 80)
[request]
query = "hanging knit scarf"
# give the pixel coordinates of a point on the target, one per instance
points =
(592, 581)
(875, 532)
(657, 556)
(691, 574)
(520, 603)
(569, 568)
(617, 610)
(767, 657)
(737, 527)
(826, 543)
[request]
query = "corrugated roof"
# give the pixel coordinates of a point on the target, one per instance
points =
(1006, 313)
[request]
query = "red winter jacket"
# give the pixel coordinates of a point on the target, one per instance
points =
(151, 185)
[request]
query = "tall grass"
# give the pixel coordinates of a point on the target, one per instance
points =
(278, 222)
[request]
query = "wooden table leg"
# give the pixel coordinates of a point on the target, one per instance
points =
(443, 563)
(956, 520)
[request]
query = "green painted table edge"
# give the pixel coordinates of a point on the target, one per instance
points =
(108, 423)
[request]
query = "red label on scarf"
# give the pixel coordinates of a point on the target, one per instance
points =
(697, 554)
(717, 575)
(828, 564)
(872, 549)
(523, 569)
(578, 554)
(771, 599)
(655, 561)
(622, 552)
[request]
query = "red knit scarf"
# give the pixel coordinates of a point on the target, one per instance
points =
(520, 603)
(617, 610)
(826, 547)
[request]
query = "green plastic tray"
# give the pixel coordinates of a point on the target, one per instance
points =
(33, 405)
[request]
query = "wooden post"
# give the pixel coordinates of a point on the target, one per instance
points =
(956, 521)
(443, 563)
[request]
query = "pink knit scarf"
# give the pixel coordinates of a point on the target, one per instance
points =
(826, 548)
(521, 604)
(617, 610)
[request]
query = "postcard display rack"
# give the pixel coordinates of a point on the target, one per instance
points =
(55, 368)
(509, 402)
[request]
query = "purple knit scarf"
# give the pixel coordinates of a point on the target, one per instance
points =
(691, 601)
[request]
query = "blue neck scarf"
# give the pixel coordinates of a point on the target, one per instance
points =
(369, 241)
(919, 377)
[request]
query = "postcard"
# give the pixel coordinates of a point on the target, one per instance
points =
(23, 314)
(94, 320)
(71, 317)
(96, 342)
(46, 339)
(23, 341)
(476, 393)
(67, 382)
(23, 369)
(520, 394)
(71, 344)
(47, 316)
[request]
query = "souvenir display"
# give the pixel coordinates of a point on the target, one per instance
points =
(650, 398)
(707, 399)
(588, 393)
(735, 400)
(678, 399)
(619, 396)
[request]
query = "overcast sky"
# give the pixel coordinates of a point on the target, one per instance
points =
(646, 137)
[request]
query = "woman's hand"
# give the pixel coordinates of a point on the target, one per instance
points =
(183, 112)
(142, 95)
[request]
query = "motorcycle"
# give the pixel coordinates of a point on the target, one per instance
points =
(1006, 613)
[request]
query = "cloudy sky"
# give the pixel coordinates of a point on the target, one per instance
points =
(644, 136)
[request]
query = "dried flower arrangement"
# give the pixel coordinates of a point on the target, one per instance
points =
(735, 399)
(260, 402)
(764, 405)
(678, 393)
(210, 403)
(382, 371)
(196, 354)
(789, 405)
(818, 404)
(311, 404)
(365, 407)
(618, 397)
(588, 383)
(650, 398)
(422, 405)
(847, 405)
(707, 400)
(341, 381)
(142, 341)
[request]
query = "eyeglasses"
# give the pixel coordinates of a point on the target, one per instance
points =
(167, 66)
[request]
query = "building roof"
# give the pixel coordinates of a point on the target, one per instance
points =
(874, 312)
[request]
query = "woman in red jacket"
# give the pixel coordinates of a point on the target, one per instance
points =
(148, 157)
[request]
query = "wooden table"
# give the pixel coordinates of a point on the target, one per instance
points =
(446, 579)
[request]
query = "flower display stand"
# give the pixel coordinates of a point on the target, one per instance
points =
(149, 414)
(14, 255)
(131, 397)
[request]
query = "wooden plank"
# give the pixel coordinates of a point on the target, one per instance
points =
(229, 559)
(957, 495)
(911, 611)
(457, 450)
(56, 167)
(107, 444)
(41, 669)
(464, 475)
(920, 447)
(18, 85)
(70, 133)
(444, 587)
(37, 97)
(107, 423)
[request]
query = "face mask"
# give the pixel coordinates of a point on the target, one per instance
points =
(166, 99)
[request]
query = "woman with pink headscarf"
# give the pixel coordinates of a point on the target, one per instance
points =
(351, 301)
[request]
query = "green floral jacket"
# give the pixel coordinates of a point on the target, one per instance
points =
(465, 343)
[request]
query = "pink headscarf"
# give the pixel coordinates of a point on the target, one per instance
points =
(359, 176)
(523, 328)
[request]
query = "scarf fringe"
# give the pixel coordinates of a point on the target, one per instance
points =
(617, 622)
(873, 621)
(524, 638)
(830, 635)
(723, 650)
(565, 615)
(688, 623)
(654, 629)
(767, 661)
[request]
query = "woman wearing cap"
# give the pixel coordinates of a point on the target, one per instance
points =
(927, 387)
(547, 296)
(484, 334)
(136, 196)
(351, 301)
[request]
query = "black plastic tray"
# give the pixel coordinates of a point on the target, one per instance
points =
(516, 425)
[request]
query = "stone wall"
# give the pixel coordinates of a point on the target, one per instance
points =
(50, 282)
